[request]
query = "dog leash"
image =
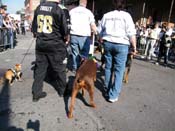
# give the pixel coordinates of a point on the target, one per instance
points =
(27, 51)
(91, 51)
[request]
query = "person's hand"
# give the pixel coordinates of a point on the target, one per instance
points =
(67, 42)
(100, 40)
(134, 52)
(67, 39)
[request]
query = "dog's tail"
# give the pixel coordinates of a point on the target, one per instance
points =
(81, 82)
(1, 80)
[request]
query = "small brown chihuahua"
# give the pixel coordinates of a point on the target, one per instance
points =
(11, 75)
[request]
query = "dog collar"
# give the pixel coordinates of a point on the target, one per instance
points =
(13, 71)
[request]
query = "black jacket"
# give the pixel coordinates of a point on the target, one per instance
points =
(50, 27)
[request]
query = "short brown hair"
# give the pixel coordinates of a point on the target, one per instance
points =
(119, 4)
(84, 2)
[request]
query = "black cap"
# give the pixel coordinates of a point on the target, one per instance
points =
(3, 7)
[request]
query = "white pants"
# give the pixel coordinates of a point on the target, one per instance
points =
(149, 51)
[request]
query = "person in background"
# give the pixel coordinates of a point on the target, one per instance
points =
(17, 26)
(1, 24)
(152, 41)
(7, 23)
(165, 44)
(50, 28)
(82, 23)
(69, 51)
(4, 28)
(1, 17)
(23, 30)
(143, 39)
(169, 31)
(117, 32)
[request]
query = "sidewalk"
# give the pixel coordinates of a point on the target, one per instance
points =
(146, 102)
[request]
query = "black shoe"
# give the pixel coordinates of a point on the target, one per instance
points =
(59, 92)
(37, 97)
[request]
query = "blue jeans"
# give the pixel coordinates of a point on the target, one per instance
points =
(115, 59)
(79, 47)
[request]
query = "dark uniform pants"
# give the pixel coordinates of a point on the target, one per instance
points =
(58, 67)
(163, 51)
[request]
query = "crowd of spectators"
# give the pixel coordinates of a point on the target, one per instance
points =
(9, 27)
(152, 41)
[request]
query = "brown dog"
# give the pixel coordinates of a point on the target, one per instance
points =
(85, 77)
(12, 74)
(128, 67)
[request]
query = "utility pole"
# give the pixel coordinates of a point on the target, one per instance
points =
(93, 6)
(143, 9)
(143, 13)
(171, 8)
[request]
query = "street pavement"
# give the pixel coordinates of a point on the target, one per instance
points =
(147, 102)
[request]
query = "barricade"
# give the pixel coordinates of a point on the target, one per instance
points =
(1, 40)
(141, 45)
(6, 38)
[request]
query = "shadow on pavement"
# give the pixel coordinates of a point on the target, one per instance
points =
(99, 84)
(4, 105)
(5, 109)
(34, 125)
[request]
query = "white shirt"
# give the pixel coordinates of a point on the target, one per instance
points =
(144, 33)
(117, 26)
(169, 32)
(81, 18)
(154, 34)
(158, 30)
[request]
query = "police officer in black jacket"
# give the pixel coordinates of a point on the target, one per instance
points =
(50, 28)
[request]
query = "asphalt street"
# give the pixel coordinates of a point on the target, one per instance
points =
(147, 102)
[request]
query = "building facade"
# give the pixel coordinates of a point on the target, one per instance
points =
(157, 10)
(30, 6)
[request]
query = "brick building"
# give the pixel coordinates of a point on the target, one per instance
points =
(30, 6)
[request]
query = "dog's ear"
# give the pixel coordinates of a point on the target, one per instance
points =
(18, 66)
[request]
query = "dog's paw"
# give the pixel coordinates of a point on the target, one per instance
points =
(93, 105)
(125, 81)
(70, 115)
(20, 80)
